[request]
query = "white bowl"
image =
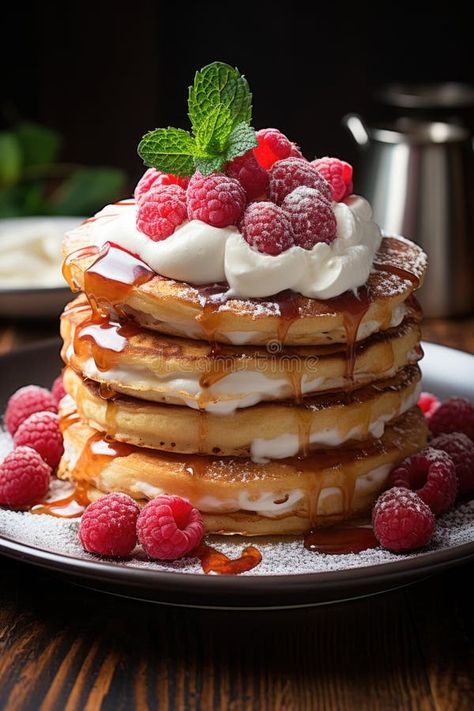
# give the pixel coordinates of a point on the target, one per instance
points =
(40, 293)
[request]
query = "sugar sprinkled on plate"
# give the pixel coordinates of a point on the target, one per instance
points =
(280, 556)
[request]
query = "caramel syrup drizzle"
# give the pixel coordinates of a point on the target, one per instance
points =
(213, 561)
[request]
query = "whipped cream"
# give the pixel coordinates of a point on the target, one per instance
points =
(287, 445)
(198, 253)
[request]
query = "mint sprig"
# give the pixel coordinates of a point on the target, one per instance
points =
(169, 149)
(220, 110)
(219, 84)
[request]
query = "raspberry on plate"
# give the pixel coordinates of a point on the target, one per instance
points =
(272, 146)
(338, 173)
(311, 215)
(25, 402)
(57, 389)
(428, 404)
(402, 521)
(40, 431)
(432, 475)
(24, 478)
(461, 450)
(267, 228)
(250, 174)
(453, 415)
(168, 527)
(152, 178)
(108, 526)
(288, 174)
(161, 210)
(216, 199)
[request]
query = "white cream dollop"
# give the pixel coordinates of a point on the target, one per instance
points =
(198, 253)
(322, 272)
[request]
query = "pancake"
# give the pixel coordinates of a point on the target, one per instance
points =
(270, 430)
(119, 282)
(155, 367)
(235, 495)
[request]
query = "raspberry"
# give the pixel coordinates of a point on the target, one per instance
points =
(108, 526)
(216, 199)
(161, 210)
(57, 390)
(428, 403)
(250, 174)
(273, 146)
(338, 173)
(453, 415)
(267, 228)
(402, 521)
(461, 450)
(168, 527)
(432, 475)
(41, 432)
(24, 478)
(312, 217)
(152, 178)
(25, 402)
(288, 174)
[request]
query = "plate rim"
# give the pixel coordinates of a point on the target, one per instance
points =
(113, 572)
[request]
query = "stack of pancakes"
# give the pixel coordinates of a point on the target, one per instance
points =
(272, 416)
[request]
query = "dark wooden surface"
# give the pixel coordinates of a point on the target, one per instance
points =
(65, 648)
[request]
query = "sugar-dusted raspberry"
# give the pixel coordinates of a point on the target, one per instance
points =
(57, 389)
(152, 178)
(41, 432)
(25, 402)
(402, 521)
(108, 526)
(432, 475)
(428, 403)
(216, 199)
(161, 210)
(311, 215)
(290, 173)
(338, 173)
(250, 174)
(453, 415)
(272, 146)
(168, 527)
(267, 228)
(461, 450)
(24, 478)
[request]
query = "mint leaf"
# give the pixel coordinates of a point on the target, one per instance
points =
(214, 130)
(168, 149)
(209, 164)
(216, 84)
(241, 140)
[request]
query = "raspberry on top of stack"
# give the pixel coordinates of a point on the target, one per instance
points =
(247, 339)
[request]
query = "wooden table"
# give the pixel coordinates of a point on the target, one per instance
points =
(65, 648)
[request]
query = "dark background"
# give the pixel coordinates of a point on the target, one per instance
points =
(105, 73)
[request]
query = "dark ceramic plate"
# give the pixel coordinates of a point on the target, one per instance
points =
(40, 364)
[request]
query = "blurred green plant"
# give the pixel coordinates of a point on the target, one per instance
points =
(34, 182)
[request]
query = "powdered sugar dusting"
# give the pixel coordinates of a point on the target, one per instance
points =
(280, 556)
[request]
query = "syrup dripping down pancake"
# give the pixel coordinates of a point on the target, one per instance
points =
(236, 495)
(270, 430)
(220, 378)
(120, 283)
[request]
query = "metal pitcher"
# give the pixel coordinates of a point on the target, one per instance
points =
(418, 176)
